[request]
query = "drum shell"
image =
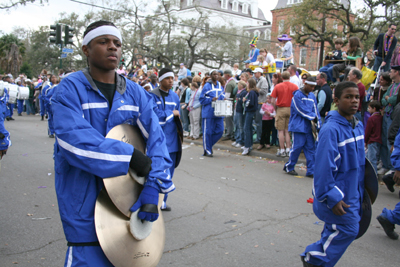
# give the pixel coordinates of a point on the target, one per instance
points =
(23, 93)
(12, 93)
(223, 108)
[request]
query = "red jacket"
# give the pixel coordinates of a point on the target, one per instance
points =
(374, 129)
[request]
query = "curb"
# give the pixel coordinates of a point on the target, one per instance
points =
(254, 152)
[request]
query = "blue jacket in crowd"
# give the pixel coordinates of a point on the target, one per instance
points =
(48, 95)
(339, 169)
(208, 92)
(251, 102)
(5, 142)
(302, 111)
(164, 111)
(395, 157)
(84, 157)
(239, 101)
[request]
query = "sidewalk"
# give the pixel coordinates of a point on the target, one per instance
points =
(264, 153)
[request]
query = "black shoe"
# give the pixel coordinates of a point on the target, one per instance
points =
(19, 114)
(7, 118)
(167, 208)
(51, 136)
(12, 119)
(310, 176)
(292, 172)
(42, 118)
(388, 180)
(388, 227)
(207, 155)
(46, 116)
(306, 264)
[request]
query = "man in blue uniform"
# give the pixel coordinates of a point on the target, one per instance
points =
(213, 127)
(87, 105)
(338, 179)
(5, 141)
(49, 91)
(167, 108)
(303, 110)
(10, 107)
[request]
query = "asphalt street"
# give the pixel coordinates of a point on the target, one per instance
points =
(229, 210)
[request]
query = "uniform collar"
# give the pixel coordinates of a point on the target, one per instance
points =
(120, 80)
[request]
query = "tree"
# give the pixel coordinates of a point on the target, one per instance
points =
(11, 52)
(10, 4)
(324, 20)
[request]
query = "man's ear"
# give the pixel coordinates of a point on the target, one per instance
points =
(85, 50)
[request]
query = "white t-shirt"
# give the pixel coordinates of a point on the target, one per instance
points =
(269, 59)
(294, 79)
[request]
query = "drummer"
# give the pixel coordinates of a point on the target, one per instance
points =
(87, 104)
(213, 127)
(338, 179)
(167, 108)
(10, 107)
(5, 141)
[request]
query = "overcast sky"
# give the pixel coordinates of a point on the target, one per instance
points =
(34, 15)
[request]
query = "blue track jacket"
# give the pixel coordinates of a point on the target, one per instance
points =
(303, 110)
(4, 142)
(164, 111)
(339, 169)
(83, 156)
(48, 95)
(395, 157)
(210, 91)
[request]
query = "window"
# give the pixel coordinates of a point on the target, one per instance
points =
(303, 56)
(267, 34)
(189, 2)
(257, 33)
(281, 26)
(245, 8)
(292, 31)
(224, 4)
(235, 6)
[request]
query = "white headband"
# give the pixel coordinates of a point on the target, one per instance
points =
(166, 75)
(311, 83)
(103, 30)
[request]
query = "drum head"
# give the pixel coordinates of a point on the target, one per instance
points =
(366, 215)
(117, 242)
(125, 189)
(371, 181)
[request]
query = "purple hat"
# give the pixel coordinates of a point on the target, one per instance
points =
(284, 37)
(182, 64)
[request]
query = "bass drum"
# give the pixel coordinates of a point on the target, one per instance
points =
(23, 93)
(12, 93)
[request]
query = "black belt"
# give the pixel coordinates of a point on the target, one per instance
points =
(88, 244)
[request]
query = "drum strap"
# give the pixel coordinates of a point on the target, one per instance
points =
(88, 244)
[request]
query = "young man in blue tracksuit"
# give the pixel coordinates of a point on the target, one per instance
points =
(303, 110)
(167, 108)
(42, 97)
(47, 97)
(389, 218)
(5, 141)
(338, 179)
(213, 127)
(87, 105)
(9, 106)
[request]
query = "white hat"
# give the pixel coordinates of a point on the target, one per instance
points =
(260, 70)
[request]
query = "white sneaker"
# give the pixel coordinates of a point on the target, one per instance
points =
(234, 144)
(243, 147)
(382, 171)
(185, 133)
(389, 172)
(245, 151)
(380, 165)
(237, 145)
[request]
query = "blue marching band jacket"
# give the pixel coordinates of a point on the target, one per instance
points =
(49, 91)
(207, 94)
(164, 111)
(84, 157)
(5, 141)
(340, 172)
(303, 110)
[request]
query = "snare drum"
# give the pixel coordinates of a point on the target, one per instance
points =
(223, 108)
(12, 93)
(1, 88)
(23, 93)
